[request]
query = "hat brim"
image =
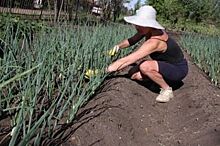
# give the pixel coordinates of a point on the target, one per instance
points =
(141, 22)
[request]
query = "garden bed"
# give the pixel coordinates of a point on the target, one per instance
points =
(122, 112)
(125, 113)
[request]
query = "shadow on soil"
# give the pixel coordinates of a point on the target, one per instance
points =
(152, 86)
(84, 116)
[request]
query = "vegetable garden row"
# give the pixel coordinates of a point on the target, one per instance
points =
(205, 51)
(42, 72)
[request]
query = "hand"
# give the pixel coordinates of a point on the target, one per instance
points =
(113, 51)
(110, 69)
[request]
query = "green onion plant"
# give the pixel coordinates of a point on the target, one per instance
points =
(42, 81)
(205, 50)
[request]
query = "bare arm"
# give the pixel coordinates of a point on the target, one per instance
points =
(131, 41)
(147, 48)
(124, 44)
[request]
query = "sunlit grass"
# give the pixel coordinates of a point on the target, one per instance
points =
(42, 75)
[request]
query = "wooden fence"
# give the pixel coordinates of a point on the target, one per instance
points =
(35, 14)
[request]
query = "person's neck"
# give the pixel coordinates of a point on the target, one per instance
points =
(156, 32)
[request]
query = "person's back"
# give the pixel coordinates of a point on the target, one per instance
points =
(173, 53)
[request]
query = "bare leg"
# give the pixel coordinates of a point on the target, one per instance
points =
(137, 76)
(151, 69)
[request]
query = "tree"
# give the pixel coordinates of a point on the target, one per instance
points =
(216, 11)
(77, 8)
(118, 7)
(137, 5)
(197, 10)
(57, 8)
(70, 5)
(112, 8)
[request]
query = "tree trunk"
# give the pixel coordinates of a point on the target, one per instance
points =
(57, 6)
(60, 6)
(55, 11)
(77, 7)
(70, 9)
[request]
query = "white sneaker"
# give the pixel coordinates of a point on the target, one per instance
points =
(165, 95)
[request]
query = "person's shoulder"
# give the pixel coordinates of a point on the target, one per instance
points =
(153, 42)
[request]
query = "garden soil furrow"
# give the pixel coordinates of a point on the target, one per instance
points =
(125, 113)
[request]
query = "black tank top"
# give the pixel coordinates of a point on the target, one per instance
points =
(173, 54)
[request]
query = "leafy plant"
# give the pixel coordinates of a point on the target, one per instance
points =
(205, 52)
(43, 97)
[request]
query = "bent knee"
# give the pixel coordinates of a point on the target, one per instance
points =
(148, 66)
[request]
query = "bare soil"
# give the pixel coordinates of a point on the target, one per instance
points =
(125, 113)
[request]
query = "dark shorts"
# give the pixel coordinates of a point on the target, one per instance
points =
(173, 72)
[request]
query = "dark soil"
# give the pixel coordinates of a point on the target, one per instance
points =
(125, 113)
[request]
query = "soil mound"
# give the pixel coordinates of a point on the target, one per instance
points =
(125, 113)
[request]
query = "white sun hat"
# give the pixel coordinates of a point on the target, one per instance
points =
(145, 16)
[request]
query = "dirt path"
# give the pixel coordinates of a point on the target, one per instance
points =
(125, 113)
